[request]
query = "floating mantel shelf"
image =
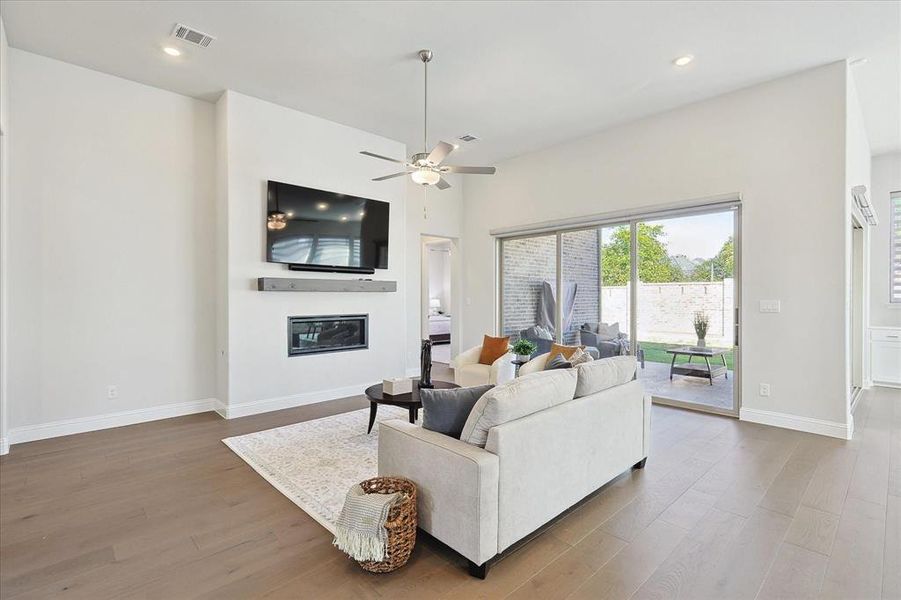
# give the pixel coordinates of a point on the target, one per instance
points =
(283, 284)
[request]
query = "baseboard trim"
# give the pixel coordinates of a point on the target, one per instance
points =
(806, 424)
(4, 446)
(42, 431)
(887, 384)
(255, 407)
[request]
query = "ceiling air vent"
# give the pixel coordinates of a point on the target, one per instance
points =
(189, 34)
(468, 138)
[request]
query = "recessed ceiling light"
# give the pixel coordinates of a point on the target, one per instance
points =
(322, 206)
(362, 213)
(171, 50)
(290, 213)
(343, 217)
(683, 61)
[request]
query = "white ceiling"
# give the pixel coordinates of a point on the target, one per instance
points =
(521, 76)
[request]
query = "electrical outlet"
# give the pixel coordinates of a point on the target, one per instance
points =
(764, 389)
(112, 391)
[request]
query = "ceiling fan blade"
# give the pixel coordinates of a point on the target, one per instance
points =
(442, 184)
(470, 170)
(392, 176)
(374, 155)
(440, 152)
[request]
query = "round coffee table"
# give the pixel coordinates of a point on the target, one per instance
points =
(410, 400)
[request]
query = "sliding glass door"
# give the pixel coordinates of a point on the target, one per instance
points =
(686, 308)
(663, 288)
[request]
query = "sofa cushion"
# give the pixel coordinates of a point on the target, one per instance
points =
(598, 375)
(493, 348)
(516, 399)
(446, 411)
(536, 332)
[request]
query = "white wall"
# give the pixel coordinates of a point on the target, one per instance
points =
(266, 141)
(781, 145)
(432, 212)
(885, 179)
(4, 235)
(111, 249)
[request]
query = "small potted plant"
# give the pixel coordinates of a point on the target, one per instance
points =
(524, 349)
(701, 323)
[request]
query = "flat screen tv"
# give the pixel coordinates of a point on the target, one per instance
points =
(316, 230)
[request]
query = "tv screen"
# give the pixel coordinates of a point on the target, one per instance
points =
(325, 230)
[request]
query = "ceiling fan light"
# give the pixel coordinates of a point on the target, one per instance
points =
(276, 220)
(425, 177)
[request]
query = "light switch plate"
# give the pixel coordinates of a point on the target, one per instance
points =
(770, 306)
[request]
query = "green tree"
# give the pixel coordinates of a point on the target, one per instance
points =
(654, 262)
(717, 268)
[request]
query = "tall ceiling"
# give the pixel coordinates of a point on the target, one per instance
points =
(520, 76)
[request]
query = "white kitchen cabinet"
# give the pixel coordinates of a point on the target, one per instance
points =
(885, 356)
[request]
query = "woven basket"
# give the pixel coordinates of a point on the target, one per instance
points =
(401, 523)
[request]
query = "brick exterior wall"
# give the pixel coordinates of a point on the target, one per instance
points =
(581, 264)
(527, 263)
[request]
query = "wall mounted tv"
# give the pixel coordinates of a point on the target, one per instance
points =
(316, 230)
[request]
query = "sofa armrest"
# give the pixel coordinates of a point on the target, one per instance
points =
(502, 370)
(536, 364)
(457, 484)
(469, 357)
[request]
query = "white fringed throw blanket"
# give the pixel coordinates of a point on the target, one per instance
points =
(360, 531)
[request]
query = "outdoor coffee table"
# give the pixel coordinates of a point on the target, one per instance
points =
(705, 370)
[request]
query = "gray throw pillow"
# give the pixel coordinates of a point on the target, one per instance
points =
(558, 362)
(446, 411)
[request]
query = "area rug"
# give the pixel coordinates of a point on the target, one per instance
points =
(314, 463)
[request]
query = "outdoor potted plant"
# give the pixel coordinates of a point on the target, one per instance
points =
(701, 323)
(524, 349)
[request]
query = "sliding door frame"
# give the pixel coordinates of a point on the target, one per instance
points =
(714, 204)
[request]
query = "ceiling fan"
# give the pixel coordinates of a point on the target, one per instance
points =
(425, 167)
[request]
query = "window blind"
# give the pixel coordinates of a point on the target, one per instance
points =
(895, 248)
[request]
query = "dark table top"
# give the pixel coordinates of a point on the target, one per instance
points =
(376, 394)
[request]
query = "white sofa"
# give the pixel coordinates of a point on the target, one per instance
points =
(468, 371)
(592, 423)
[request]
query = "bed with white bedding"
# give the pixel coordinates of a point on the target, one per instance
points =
(439, 329)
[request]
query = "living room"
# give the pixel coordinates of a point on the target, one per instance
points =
(222, 226)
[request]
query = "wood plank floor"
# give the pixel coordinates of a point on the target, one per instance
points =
(723, 509)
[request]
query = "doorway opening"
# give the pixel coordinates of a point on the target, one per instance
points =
(857, 311)
(437, 303)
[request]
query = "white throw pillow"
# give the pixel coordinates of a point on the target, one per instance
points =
(516, 399)
(580, 357)
(598, 375)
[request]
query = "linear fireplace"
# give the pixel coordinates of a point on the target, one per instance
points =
(333, 333)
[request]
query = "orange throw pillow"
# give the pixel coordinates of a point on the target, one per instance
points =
(566, 351)
(493, 348)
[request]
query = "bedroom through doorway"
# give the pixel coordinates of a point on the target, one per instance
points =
(437, 308)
